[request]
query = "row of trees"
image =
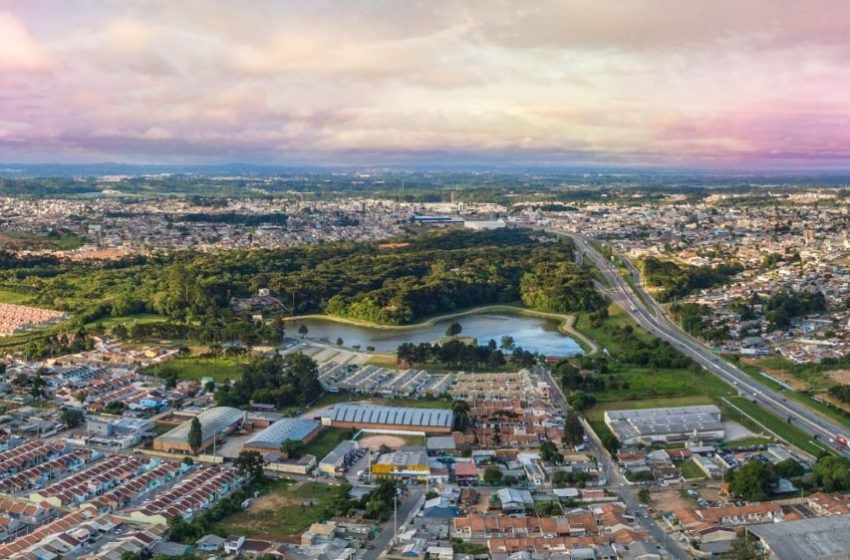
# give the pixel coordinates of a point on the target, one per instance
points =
(459, 355)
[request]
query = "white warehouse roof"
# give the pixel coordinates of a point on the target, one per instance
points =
(282, 430)
(392, 416)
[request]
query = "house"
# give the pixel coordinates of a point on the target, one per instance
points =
(234, 544)
(466, 474)
(513, 499)
(209, 543)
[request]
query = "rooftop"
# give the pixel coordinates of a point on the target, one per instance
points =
(807, 539)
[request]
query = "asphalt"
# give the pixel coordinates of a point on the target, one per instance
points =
(406, 508)
(651, 316)
(616, 482)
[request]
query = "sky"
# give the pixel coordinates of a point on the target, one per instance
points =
(696, 83)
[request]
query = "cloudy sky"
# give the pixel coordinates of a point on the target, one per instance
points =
(737, 83)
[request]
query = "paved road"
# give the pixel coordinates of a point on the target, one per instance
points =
(406, 508)
(651, 316)
(616, 482)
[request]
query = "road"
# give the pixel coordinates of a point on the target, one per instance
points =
(650, 315)
(406, 507)
(615, 481)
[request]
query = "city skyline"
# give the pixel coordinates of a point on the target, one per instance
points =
(743, 85)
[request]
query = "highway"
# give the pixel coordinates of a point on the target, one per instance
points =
(650, 315)
(615, 481)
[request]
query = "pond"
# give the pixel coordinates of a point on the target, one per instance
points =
(536, 334)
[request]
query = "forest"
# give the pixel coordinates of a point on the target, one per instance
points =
(434, 273)
(676, 281)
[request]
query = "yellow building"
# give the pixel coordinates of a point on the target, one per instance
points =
(410, 464)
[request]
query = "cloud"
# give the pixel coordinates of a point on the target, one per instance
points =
(637, 81)
(18, 50)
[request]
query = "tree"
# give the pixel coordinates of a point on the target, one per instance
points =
(72, 417)
(573, 430)
(492, 475)
(833, 473)
(752, 482)
(611, 443)
(460, 411)
(303, 330)
(507, 343)
(549, 453)
(644, 495)
(196, 435)
(37, 386)
(454, 329)
(789, 468)
(293, 448)
(250, 463)
(339, 341)
(745, 548)
(580, 401)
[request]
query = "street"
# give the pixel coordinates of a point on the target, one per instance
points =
(652, 318)
(406, 507)
(614, 479)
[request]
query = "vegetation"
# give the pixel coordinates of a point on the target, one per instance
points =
(782, 307)
(752, 482)
(283, 381)
(455, 354)
(195, 437)
(677, 281)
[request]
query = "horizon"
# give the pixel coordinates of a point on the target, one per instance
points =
(732, 87)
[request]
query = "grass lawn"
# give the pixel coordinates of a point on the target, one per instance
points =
(63, 242)
(130, 320)
(326, 441)
(193, 367)
(751, 441)
(599, 426)
(779, 426)
(287, 509)
(647, 384)
(7, 296)
(690, 469)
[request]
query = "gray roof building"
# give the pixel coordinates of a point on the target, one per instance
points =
(654, 425)
(273, 436)
(820, 538)
(425, 419)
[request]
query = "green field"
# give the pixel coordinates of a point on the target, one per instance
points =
(779, 426)
(7, 296)
(747, 442)
(220, 369)
(326, 441)
(59, 242)
(285, 510)
(690, 469)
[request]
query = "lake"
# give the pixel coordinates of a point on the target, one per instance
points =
(536, 334)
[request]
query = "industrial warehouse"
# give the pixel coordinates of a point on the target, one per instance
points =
(663, 425)
(269, 440)
(216, 423)
(390, 419)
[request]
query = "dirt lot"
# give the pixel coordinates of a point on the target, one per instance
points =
(669, 500)
(840, 376)
(374, 442)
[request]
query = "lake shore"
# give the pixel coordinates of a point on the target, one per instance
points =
(565, 326)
